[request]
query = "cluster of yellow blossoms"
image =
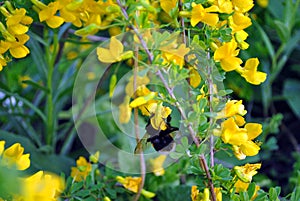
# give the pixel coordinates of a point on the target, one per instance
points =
(87, 14)
(226, 52)
(42, 185)
(241, 139)
(13, 33)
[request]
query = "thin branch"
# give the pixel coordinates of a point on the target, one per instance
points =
(136, 127)
(182, 23)
(210, 92)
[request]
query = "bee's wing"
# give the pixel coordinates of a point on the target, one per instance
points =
(141, 145)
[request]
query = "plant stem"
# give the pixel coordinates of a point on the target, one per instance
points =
(211, 121)
(136, 127)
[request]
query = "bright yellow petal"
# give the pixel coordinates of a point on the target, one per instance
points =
(55, 21)
(2, 143)
(19, 52)
(211, 19)
(18, 29)
(230, 63)
(116, 48)
(105, 56)
(253, 130)
(250, 148)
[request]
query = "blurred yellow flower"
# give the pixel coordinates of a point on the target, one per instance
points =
(168, 5)
(157, 165)
(205, 15)
(195, 78)
(132, 184)
(175, 55)
(114, 53)
(227, 56)
(3, 61)
(24, 78)
(250, 73)
(125, 110)
(263, 3)
(82, 170)
(224, 6)
(14, 156)
(242, 5)
(41, 186)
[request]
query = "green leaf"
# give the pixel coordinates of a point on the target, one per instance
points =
(36, 85)
(291, 90)
(265, 38)
(76, 187)
(281, 30)
(296, 194)
(274, 193)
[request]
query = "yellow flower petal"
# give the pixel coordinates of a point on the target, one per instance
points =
(253, 130)
(249, 148)
(19, 52)
(55, 21)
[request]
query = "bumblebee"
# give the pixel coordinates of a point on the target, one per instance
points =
(159, 139)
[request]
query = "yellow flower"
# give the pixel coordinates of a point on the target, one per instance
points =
(95, 157)
(142, 100)
(249, 148)
(48, 13)
(82, 170)
(132, 184)
(41, 186)
(242, 5)
(226, 55)
(140, 81)
(160, 114)
(240, 37)
(24, 78)
(157, 165)
(232, 134)
(232, 108)
(2, 61)
(125, 110)
(239, 21)
(200, 14)
(246, 172)
(250, 73)
(114, 53)
(106, 198)
(17, 21)
(205, 196)
(17, 48)
(168, 5)
(263, 3)
(195, 78)
(225, 6)
(13, 156)
(175, 55)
